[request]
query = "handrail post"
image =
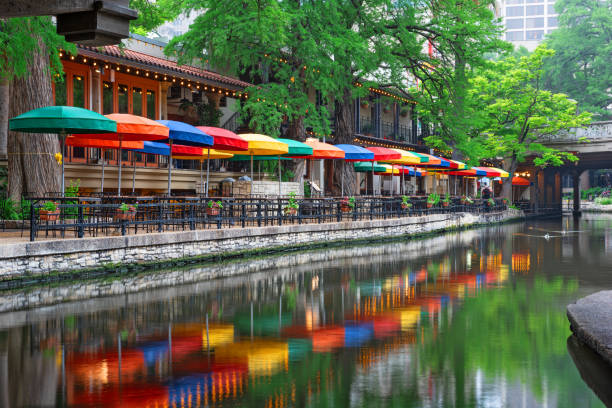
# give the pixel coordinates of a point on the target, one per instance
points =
(280, 212)
(243, 213)
(191, 216)
(81, 231)
(32, 222)
(258, 213)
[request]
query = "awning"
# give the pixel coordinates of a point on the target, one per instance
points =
(520, 181)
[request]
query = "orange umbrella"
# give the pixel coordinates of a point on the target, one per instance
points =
(520, 181)
(131, 128)
(102, 144)
(321, 150)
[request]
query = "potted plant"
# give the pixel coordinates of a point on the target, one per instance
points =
(432, 200)
(49, 211)
(505, 201)
(347, 204)
(292, 205)
(214, 207)
(126, 212)
(365, 104)
(491, 202)
(403, 112)
(466, 200)
(406, 204)
(446, 200)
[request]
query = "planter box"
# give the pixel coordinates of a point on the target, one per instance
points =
(345, 208)
(213, 211)
(445, 204)
(46, 215)
(406, 206)
(429, 205)
(125, 216)
(290, 211)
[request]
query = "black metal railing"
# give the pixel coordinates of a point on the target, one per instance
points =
(90, 216)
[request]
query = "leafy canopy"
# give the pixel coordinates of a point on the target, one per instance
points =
(515, 112)
(21, 37)
(582, 64)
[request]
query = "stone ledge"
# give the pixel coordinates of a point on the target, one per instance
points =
(75, 245)
(591, 321)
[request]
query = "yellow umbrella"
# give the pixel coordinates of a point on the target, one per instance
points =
(207, 154)
(262, 145)
(406, 158)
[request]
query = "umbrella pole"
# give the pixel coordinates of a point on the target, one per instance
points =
(342, 177)
(120, 162)
(133, 172)
(102, 182)
(251, 174)
(207, 171)
(279, 176)
(372, 178)
(402, 187)
(170, 170)
(201, 176)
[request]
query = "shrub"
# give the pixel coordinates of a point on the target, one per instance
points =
(433, 199)
(603, 201)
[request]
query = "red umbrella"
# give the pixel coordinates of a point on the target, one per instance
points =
(520, 181)
(383, 154)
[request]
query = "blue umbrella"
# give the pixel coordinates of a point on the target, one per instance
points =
(354, 153)
(184, 134)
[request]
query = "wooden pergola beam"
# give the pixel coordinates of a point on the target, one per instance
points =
(89, 22)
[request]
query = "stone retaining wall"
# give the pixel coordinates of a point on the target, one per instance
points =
(45, 257)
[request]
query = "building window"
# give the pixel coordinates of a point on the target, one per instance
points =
(137, 101)
(534, 1)
(151, 104)
(151, 158)
(552, 21)
(78, 91)
(125, 155)
(534, 22)
(514, 23)
(551, 9)
(78, 152)
(122, 92)
(514, 36)
(535, 10)
(514, 11)
(535, 35)
(222, 102)
(175, 92)
(514, 2)
(196, 97)
(60, 92)
(107, 98)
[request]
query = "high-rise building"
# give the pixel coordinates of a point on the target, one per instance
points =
(527, 21)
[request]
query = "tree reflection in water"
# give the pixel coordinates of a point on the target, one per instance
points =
(469, 319)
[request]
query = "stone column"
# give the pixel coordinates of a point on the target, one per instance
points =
(163, 99)
(576, 187)
(96, 89)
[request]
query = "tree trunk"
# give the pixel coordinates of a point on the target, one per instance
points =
(344, 173)
(507, 182)
(4, 114)
(31, 166)
(297, 132)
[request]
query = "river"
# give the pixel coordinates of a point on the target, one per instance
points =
(472, 318)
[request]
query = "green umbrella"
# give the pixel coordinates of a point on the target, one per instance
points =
(365, 167)
(295, 149)
(62, 120)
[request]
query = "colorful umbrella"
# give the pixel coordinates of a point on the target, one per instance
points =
(224, 140)
(131, 128)
(205, 154)
(520, 181)
(103, 144)
(364, 167)
(407, 158)
(384, 154)
(62, 120)
(320, 151)
(354, 153)
(262, 145)
(183, 134)
(493, 172)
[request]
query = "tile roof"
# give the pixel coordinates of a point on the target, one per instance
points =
(112, 53)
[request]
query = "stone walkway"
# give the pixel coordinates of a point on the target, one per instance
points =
(591, 321)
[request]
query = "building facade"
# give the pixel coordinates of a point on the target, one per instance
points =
(527, 21)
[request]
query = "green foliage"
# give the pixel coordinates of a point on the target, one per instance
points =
(603, 201)
(433, 199)
(583, 53)
(292, 201)
(152, 14)
(8, 209)
(307, 192)
(208, 113)
(406, 202)
(349, 201)
(21, 37)
(513, 207)
(50, 206)
(125, 208)
(215, 204)
(446, 198)
(515, 112)
(591, 192)
(491, 202)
